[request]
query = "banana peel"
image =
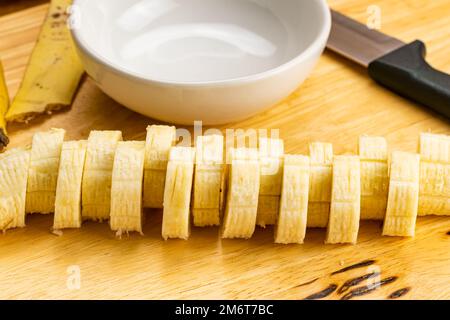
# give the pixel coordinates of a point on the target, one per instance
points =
(4, 104)
(53, 72)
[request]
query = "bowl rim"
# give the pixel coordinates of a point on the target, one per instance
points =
(316, 45)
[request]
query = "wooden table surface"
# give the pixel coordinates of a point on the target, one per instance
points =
(336, 104)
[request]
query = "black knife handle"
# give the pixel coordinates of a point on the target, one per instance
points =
(406, 72)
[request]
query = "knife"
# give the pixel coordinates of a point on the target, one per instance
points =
(392, 63)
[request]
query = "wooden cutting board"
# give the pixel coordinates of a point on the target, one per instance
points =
(337, 104)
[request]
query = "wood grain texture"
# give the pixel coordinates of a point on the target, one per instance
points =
(9, 6)
(336, 104)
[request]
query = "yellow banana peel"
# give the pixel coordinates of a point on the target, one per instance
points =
(4, 104)
(53, 72)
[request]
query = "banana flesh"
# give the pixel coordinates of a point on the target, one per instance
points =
(343, 225)
(271, 153)
(68, 188)
(177, 193)
(97, 174)
(109, 174)
(291, 225)
(321, 157)
(43, 171)
(374, 177)
(126, 187)
(434, 194)
(209, 168)
(243, 190)
(157, 148)
(14, 165)
(403, 198)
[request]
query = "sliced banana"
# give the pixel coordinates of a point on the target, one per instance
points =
(43, 171)
(96, 185)
(13, 187)
(315, 191)
(374, 177)
(126, 187)
(271, 153)
(209, 167)
(434, 194)
(68, 188)
(243, 190)
(177, 193)
(403, 198)
(157, 147)
(291, 225)
(321, 157)
(343, 224)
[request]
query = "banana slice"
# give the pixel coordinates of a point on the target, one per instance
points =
(13, 187)
(53, 71)
(96, 185)
(4, 105)
(209, 167)
(321, 157)
(291, 226)
(43, 171)
(374, 177)
(403, 198)
(434, 194)
(126, 187)
(343, 224)
(271, 153)
(243, 190)
(6, 218)
(177, 193)
(68, 188)
(157, 147)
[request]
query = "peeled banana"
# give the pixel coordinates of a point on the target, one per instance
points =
(53, 71)
(403, 198)
(126, 187)
(434, 194)
(321, 157)
(4, 105)
(177, 193)
(291, 225)
(343, 225)
(243, 190)
(209, 168)
(109, 174)
(43, 171)
(96, 185)
(6, 219)
(374, 177)
(271, 153)
(157, 147)
(13, 187)
(68, 188)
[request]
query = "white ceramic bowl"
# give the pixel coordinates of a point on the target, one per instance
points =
(218, 61)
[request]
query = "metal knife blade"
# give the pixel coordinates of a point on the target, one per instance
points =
(357, 42)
